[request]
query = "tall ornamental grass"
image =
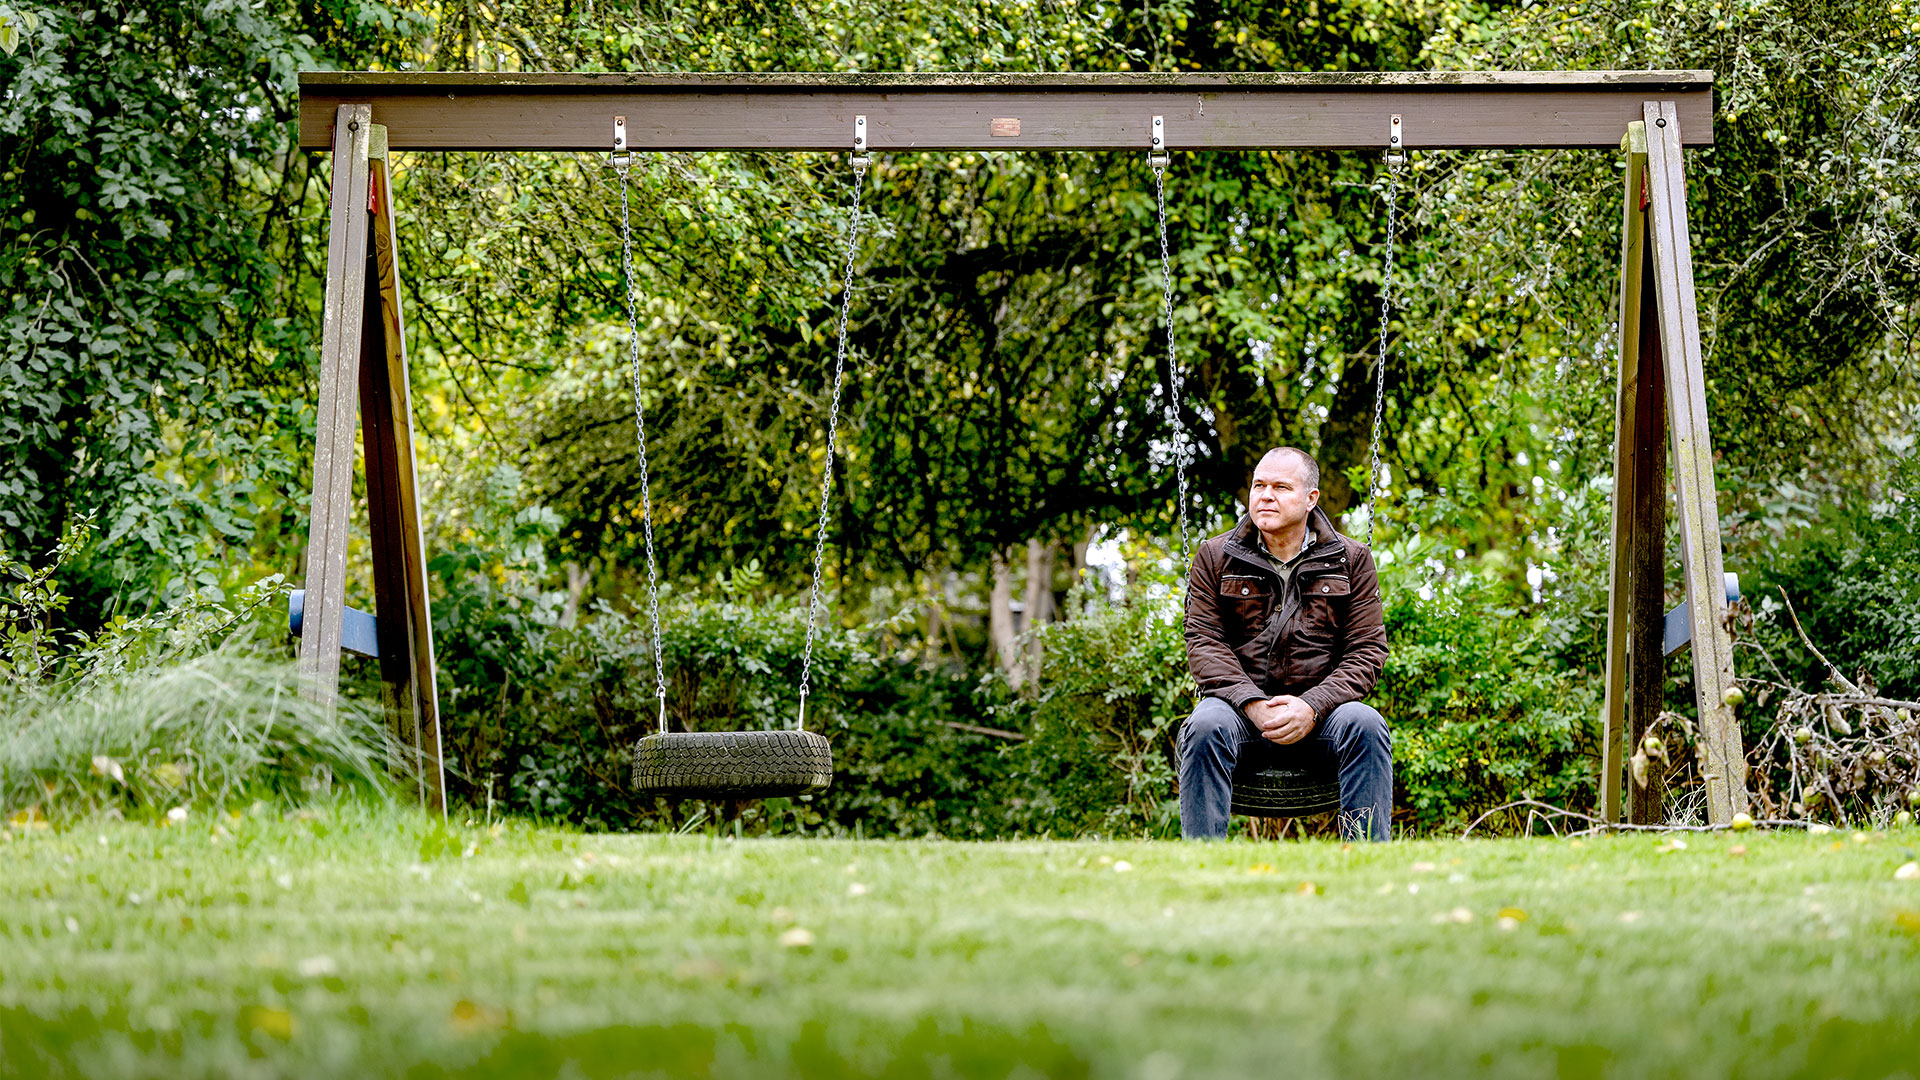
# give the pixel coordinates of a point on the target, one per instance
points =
(206, 730)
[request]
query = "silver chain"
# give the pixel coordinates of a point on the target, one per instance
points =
(1176, 380)
(640, 433)
(1394, 163)
(833, 429)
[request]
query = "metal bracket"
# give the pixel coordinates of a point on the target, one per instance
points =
(1396, 149)
(1157, 156)
(860, 160)
(620, 159)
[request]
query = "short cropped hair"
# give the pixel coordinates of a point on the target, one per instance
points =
(1313, 467)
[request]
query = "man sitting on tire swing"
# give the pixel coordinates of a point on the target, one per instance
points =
(1285, 635)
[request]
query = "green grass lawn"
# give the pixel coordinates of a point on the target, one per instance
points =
(355, 943)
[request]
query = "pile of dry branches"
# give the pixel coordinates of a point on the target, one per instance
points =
(1845, 753)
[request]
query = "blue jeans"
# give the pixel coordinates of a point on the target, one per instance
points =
(1352, 741)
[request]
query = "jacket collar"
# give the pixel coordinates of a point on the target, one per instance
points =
(1244, 542)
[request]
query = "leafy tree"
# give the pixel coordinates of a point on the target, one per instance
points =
(156, 268)
(162, 242)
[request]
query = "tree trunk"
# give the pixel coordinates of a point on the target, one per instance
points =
(1000, 619)
(1039, 601)
(1081, 570)
(577, 582)
(931, 638)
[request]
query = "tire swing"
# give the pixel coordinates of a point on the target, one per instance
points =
(1274, 791)
(736, 765)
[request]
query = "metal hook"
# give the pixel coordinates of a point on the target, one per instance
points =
(860, 160)
(620, 159)
(1396, 149)
(1157, 156)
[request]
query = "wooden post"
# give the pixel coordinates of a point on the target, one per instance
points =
(1619, 578)
(399, 563)
(1625, 430)
(1646, 553)
(363, 363)
(342, 319)
(1724, 764)
(1636, 664)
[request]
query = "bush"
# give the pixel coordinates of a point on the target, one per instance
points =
(1853, 574)
(1481, 710)
(902, 767)
(1113, 692)
(1851, 568)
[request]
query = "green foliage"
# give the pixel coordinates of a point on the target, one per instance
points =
(31, 606)
(14, 22)
(1482, 711)
(491, 613)
(38, 652)
(500, 649)
(154, 272)
(1851, 567)
(902, 769)
(1114, 691)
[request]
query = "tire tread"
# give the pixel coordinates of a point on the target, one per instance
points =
(732, 764)
(1277, 792)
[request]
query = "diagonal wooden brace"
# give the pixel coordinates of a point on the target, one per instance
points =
(1661, 373)
(1724, 764)
(363, 361)
(342, 325)
(1636, 666)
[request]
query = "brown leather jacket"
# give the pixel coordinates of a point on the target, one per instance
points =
(1320, 638)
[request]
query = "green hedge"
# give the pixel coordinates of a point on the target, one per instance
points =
(540, 717)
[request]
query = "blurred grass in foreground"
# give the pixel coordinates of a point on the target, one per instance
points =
(369, 942)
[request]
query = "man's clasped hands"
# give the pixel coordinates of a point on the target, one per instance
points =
(1282, 718)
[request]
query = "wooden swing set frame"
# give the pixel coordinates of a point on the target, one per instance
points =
(361, 117)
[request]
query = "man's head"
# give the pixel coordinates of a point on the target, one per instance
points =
(1286, 485)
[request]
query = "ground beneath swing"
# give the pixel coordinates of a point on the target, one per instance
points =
(371, 943)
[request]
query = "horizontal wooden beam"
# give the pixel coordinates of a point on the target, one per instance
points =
(906, 112)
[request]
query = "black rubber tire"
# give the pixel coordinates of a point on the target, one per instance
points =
(1284, 793)
(732, 764)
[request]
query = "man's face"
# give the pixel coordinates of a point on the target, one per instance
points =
(1281, 495)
